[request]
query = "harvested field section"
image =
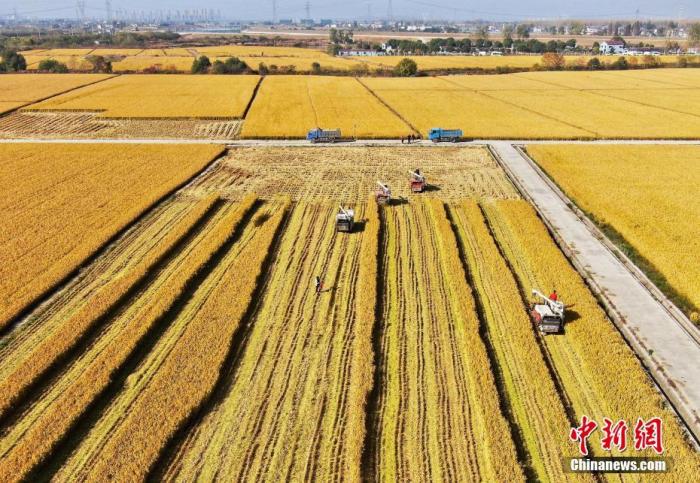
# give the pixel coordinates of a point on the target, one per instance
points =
(349, 175)
(160, 96)
(438, 415)
(47, 421)
(524, 373)
(597, 369)
(646, 194)
(479, 116)
(293, 407)
(18, 90)
(289, 106)
(61, 203)
(89, 125)
(182, 368)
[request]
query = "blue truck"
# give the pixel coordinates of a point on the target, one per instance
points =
(319, 135)
(438, 135)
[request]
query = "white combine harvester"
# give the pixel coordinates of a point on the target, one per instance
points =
(547, 315)
(417, 182)
(345, 220)
(383, 194)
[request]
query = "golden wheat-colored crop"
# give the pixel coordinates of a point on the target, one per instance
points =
(61, 203)
(160, 96)
(30, 440)
(182, 369)
(19, 90)
(597, 369)
(436, 375)
(648, 194)
(155, 63)
(524, 374)
(26, 363)
(347, 175)
(291, 401)
(289, 106)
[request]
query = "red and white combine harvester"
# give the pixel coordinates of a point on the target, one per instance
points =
(383, 194)
(417, 182)
(548, 315)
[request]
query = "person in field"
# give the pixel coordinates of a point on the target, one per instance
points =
(318, 284)
(553, 296)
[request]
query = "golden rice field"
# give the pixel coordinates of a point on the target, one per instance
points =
(72, 62)
(164, 63)
(154, 96)
(647, 194)
(195, 346)
(289, 106)
(549, 105)
(62, 204)
(20, 90)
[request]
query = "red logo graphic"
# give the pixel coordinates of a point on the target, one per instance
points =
(648, 435)
(582, 432)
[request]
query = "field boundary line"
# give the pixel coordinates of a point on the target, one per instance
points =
(16, 320)
(656, 370)
(239, 342)
(604, 93)
(253, 96)
(369, 447)
(391, 109)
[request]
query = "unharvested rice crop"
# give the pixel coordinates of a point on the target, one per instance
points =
(62, 203)
(349, 175)
(289, 106)
(159, 96)
(20, 90)
(189, 355)
(72, 62)
(438, 415)
(436, 62)
(259, 51)
(647, 194)
(595, 366)
(27, 442)
(27, 358)
(436, 102)
(516, 349)
(295, 404)
(546, 105)
(162, 63)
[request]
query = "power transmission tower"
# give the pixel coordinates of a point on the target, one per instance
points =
(307, 7)
(80, 9)
(108, 9)
(274, 11)
(390, 11)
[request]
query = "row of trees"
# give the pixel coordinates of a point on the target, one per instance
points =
(232, 65)
(465, 46)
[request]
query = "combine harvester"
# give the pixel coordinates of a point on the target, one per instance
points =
(383, 194)
(345, 220)
(438, 135)
(548, 315)
(417, 183)
(319, 135)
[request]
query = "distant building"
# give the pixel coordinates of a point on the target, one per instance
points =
(612, 47)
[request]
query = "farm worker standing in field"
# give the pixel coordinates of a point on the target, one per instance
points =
(553, 296)
(319, 285)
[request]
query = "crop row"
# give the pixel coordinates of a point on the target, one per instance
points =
(31, 439)
(181, 370)
(597, 369)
